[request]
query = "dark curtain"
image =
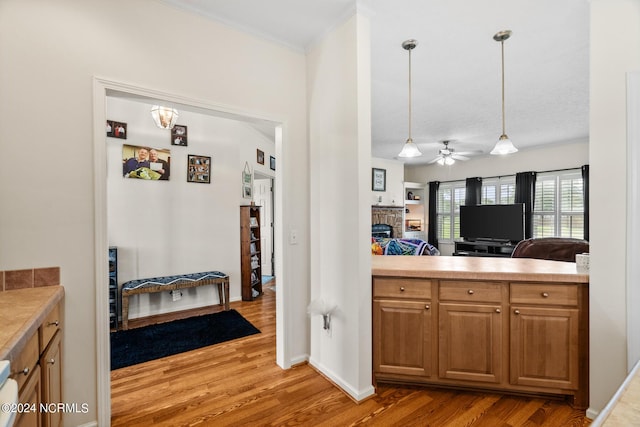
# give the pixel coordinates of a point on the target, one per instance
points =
(585, 189)
(432, 233)
(526, 193)
(473, 191)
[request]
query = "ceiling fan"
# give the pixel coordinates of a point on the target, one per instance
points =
(448, 156)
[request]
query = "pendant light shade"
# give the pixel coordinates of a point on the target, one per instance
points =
(164, 117)
(410, 149)
(504, 144)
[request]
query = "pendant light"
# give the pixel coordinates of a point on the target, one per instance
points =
(504, 144)
(410, 149)
(164, 117)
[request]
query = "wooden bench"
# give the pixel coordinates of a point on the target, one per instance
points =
(172, 283)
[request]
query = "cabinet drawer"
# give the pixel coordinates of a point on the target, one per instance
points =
(401, 288)
(544, 294)
(25, 362)
(49, 327)
(469, 291)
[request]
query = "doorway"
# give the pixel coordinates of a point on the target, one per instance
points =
(102, 89)
(263, 196)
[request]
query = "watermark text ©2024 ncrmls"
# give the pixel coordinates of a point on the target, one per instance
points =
(47, 408)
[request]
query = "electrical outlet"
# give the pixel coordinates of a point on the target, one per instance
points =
(293, 237)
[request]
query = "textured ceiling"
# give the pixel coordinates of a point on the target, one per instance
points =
(455, 67)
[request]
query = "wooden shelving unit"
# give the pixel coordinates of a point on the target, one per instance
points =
(250, 258)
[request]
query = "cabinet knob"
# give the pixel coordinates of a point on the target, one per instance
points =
(545, 295)
(401, 288)
(51, 361)
(56, 323)
(516, 311)
(470, 291)
(427, 307)
(498, 310)
(25, 371)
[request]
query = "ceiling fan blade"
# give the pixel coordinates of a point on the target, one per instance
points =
(459, 157)
(467, 153)
(435, 160)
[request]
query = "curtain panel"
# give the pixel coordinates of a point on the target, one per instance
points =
(432, 233)
(526, 193)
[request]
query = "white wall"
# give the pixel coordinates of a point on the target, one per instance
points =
(50, 53)
(611, 59)
(339, 127)
(548, 157)
(395, 179)
(163, 228)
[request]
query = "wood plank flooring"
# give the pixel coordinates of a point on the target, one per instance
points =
(238, 383)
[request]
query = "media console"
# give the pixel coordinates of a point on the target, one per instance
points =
(484, 248)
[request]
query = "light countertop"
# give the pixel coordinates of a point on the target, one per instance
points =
(22, 311)
(477, 268)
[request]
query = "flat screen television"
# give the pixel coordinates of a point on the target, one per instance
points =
(492, 222)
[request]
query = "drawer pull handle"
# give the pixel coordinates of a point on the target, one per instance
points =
(470, 291)
(56, 323)
(516, 311)
(498, 310)
(25, 371)
(401, 288)
(427, 307)
(51, 361)
(545, 295)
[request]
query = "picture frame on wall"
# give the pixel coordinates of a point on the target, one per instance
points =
(272, 163)
(179, 135)
(260, 157)
(116, 129)
(199, 169)
(378, 179)
(148, 163)
(247, 182)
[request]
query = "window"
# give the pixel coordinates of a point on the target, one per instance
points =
(450, 197)
(498, 191)
(559, 205)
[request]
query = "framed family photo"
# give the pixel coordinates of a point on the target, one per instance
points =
(199, 169)
(179, 135)
(116, 129)
(260, 157)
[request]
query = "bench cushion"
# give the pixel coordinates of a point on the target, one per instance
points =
(170, 280)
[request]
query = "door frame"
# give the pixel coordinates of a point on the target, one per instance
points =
(103, 88)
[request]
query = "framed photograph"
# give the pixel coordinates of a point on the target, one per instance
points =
(179, 135)
(247, 182)
(199, 169)
(146, 163)
(260, 157)
(116, 129)
(378, 179)
(272, 163)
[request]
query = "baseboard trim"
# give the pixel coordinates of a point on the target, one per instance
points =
(353, 394)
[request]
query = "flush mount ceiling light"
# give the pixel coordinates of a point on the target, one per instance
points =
(164, 117)
(504, 144)
(410, 149)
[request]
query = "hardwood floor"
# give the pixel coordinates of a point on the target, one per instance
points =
(238, 383)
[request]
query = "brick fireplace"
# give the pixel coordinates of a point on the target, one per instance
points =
(391, 215)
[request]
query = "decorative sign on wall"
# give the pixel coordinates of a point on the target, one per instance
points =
(179, 135)
(378, 179)
(199, 169)
(247, 182)
(260, 157)
(146, 162)
(116, 129)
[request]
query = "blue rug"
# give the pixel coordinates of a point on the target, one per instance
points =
(152, 342)
(266, 279)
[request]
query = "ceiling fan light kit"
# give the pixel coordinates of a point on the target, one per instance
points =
(410, 149)
(504, 144)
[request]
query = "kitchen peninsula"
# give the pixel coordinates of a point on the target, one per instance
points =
(513, 325)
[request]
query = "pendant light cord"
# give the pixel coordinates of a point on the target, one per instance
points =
(410, 94)
(503, 127)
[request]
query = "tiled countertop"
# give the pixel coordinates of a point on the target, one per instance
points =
(477, 268)
(21, 313)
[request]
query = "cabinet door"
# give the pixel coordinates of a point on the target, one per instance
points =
(544, 347)
(30, 397)
(471, 342)
(402, 337)
(51, 365)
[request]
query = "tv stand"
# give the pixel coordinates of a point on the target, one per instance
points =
(484, 248)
